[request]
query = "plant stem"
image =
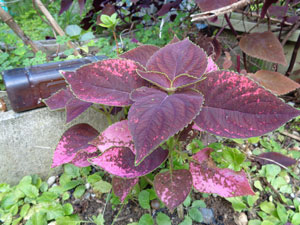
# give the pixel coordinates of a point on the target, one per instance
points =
(148, 180)
(294, 56)
(105, 113)
(116, 217)
(116, 40)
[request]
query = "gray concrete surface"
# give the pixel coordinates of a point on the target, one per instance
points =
(28, 139)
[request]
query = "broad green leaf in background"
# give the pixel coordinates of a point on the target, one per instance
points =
(195, 214)
(73, 30)
(146, 219)
(163, 219)
(144, 199)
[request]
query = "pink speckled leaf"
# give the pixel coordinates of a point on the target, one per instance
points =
(183, 57)
(117, 134)
(237, 107)
(207, 5)
(75, 139)
(208, 178)
(122, 187)
(140, 54)
(65, 99)
(172, 189)
(155, 116)
(81, 158)
(264, 46)
(157, 78)
(107, 82)
(119, 161)
(270, 157)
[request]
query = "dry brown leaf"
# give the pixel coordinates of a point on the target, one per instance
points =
(275, 82)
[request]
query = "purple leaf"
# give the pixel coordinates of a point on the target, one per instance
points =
(74, 140)
(107, 82)
(64, 5)
(167, 7)
(155, 116)
(184, 80)
(140, 54)
(65, 99)
(207, 5)
(116, 135)
(237, 107)
(183, 57)
(59, 99)
(174, 40)
(75, 107)
(159, 79)
(265, 7)
(81, 5)
(277, 157)
(208, 178)
(119, 161)
(172, 189)
(81, 158)
(122, 187)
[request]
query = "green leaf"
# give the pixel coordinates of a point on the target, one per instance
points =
(14, 210)
(85, 171)
(79, 191)
(68, 220)
(257, 184)
(237, 203)
(152, 194)
(253, 140)
(65, 196)
(187, 221)
(54, 211)
(57, 189)
(68, 209)
(64, 178)
(94, 178)
(24, 210)
(282, 213)
(87, 36)
(163, 219)
(72, 170)
(146, 219)
(254, 222)
(29, 190)
(267, 207)
(296, 219)
(72, 184)
(39, 218)
(187, 201)
(8, 201)
(195, 214)
(266, 222)
(199, 204)
(99, 220)
(44, 187)
(251, 199)
(4, 187)
(16, 221)
(47, 197)
(73, 30)
(102, 186)
(144, 199)
(26, 180)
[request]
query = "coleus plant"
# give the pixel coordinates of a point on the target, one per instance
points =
(167, 89)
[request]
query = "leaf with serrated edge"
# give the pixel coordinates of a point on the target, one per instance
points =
(275, 82)
(264, 46)
(75, 139)
(173, 188)
(237, 107)
(107, 82)
(140, 54)
(122, 187)
(65, 99)
(208, 178)
(183, 57)
(59, 99)
(155, 116)
(117, 134)
(184, 80)
(159, 79)
(119, 161)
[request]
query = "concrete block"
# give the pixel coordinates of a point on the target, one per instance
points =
(28, 140)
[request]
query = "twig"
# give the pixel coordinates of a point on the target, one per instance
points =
(149, 181)
(290, 135)
(294, 28)
(219, 11)
(294, 57)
